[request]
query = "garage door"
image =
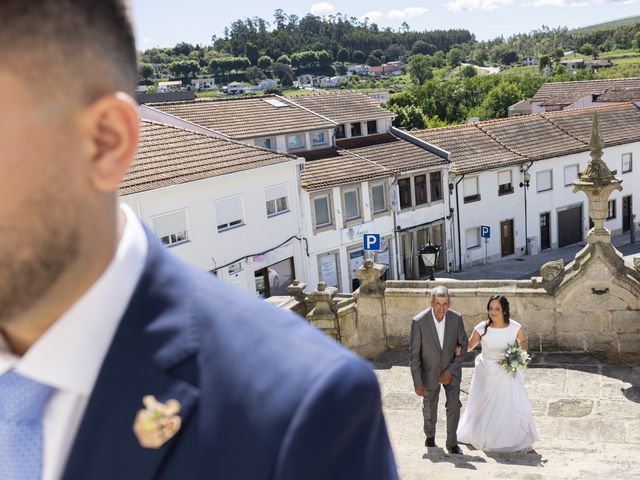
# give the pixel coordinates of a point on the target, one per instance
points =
(570, 226)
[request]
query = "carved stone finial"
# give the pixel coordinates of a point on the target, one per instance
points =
(552, 274)
(368, 263)
(597, 182)
(636, 263)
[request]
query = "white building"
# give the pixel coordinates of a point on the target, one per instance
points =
(487, 180)
(220, 205)
(393, 187)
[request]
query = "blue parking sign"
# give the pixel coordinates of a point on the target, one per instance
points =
(371, 241)
(485, 231)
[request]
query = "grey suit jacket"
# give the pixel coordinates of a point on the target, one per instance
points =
(428, 360)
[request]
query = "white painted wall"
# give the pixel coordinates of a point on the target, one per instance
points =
(492, 208)
(209, 249)
(343, 239)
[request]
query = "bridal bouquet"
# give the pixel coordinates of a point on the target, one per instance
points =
(514, 359)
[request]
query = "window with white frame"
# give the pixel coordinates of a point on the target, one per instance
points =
(611, 209)
(570, 174)
(318, 138)
(356, 129)
(295, 141)
(435, 186)
(228, 213)
(627, 162)
(544, 180)
(404, 190)
(340, 131)
(266, 142)
(351, 204)
(420, 189)
(171, 228)
(235, 268)
(276, 199)
(322, 210)
(472, 237)
(372, 127)
(470, 188)
(505, 184)
(378, 198)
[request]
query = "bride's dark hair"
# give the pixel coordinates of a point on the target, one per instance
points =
(504, 303)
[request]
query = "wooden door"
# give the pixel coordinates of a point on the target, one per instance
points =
(506, 237)
(545, 231)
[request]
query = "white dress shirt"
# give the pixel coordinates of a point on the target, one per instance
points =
(439, 327)
(69, 355)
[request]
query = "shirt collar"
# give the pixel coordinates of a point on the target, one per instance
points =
(70, 353)
(435, 320)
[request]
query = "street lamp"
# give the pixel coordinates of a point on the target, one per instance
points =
(429, 254)
(526, 178)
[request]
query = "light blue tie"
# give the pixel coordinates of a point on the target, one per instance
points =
(22, 403)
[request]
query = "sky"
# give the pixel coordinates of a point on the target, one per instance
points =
(163, 23)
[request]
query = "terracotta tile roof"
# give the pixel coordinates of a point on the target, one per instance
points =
(244, 118)
(620, 95)
(170, 156)
(343, 106)
(532, 136)
(471, 149)
(388, 156)
(619, 123)
(578, 90)
(508, 141)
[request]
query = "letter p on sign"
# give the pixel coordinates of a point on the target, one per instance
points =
(371, 241)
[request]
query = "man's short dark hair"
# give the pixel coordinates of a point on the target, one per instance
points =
(82, 46)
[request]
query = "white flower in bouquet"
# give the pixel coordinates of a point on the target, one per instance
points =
(514, 359)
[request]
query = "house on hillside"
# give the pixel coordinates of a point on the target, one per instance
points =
(568, 95)
(596, 64)
(169, 86)
(574, 63)
(233, 88)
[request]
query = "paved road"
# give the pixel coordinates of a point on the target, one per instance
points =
(587, 412)
(528, 266)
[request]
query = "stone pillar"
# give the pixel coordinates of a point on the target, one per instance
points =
(296, 290)
(323, 314)
(372, 327)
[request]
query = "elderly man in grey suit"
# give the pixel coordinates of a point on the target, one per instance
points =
(435, 332)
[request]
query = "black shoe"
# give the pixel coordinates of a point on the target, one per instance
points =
(430, 442)
(454, 450)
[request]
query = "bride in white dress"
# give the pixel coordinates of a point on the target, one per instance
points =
(498, 416)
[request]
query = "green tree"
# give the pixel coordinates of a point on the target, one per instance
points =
(252, 52)
(422, 47)
(254, 74)
(324, 58)
(394, 51)
(146, 71)
(373, 61)
(497, 102)
(379, 54)
(468, 71)
(455, 56)
(420, 68)
(587, 49)
(558, 53)
(281, 70)
(544, 61)
(343, 55)
(264, 62)
(284, 59)
(184, 68)
(636, 41)
(409, 117)
(358, 56)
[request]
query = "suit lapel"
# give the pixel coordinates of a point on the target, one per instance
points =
(449, 328)
(432, 329)
(155, 335)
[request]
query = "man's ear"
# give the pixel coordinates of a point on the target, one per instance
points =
(114, 123)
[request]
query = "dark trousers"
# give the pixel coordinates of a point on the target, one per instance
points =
(430, 412)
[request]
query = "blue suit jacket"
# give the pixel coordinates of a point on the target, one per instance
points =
(264, 395)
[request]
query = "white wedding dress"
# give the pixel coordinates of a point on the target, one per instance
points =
(498, 416)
